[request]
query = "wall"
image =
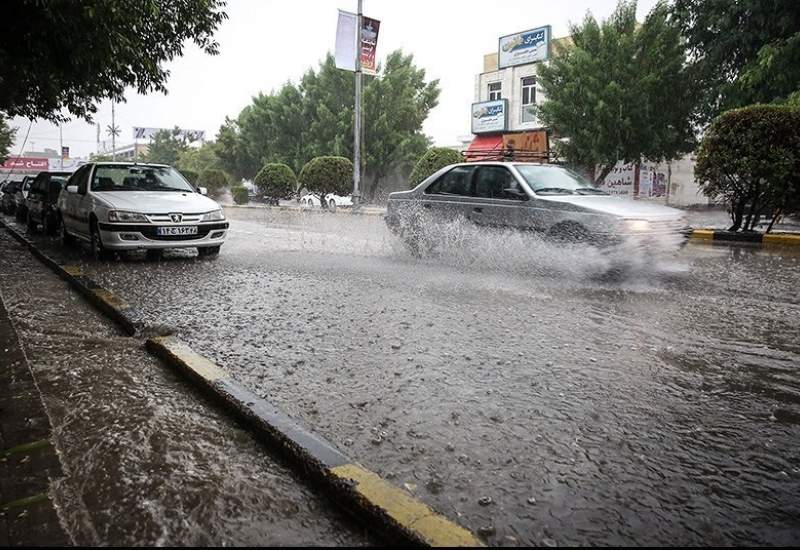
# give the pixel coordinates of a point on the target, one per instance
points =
(511, 78)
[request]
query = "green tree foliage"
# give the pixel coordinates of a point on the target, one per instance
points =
(323, 175)
(197, 159)
(315, 118)
(619, 91)
(214, 180)
(63, 55)
(434, 159)
(166, 147)
(190, 175)
(6, 138)
(741, 52)
(276, 181)
(750, 157)
(240, 195)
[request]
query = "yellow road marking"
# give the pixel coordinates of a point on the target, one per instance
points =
(206, 369)
(703, 234)
(73, 270)
(415, 516)
(111, 299)
(781, 238)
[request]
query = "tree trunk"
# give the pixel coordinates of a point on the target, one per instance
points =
(752, 215)
(775, 217)
(373, 188)
(737, 211)
(604, 172)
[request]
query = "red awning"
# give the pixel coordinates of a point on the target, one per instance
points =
(486, 147)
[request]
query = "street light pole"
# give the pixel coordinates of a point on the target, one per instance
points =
(357, 114)
(113, 134)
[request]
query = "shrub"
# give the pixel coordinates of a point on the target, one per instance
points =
(276, 181)
(214, 180)
(750, 157)
(323, 175)
(240, 195)
(434, 159)
(190, 175)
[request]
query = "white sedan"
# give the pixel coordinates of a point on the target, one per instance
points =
(312, 199)
(117, 206)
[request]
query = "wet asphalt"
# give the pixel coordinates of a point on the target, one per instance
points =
(508, 382)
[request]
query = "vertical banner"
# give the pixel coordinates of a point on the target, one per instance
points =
(345, 53)
(369, 43)
(65, 152)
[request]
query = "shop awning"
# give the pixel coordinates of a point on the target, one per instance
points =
(485, 147)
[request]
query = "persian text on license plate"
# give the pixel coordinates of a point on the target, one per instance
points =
(163, 231)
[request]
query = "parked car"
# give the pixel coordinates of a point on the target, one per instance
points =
(333, 201)
(548, 199)
(20, 209)
(41, 204)
(119, 206)
(7, 202)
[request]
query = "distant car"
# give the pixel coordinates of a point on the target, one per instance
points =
(333, 201)
(547, 199)
(41, 204)
(120, 206)
(20, 209)
(8, 204)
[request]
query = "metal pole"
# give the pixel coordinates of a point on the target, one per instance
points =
(357, 114)
(61, 146)
(113, 134)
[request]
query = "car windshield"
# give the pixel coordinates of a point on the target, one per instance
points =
(138, 178)
(555, 180)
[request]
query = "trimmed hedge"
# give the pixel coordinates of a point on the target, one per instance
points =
(240, 195)
(276, 181)
(434, 159)
(214, 180)
(323, 175)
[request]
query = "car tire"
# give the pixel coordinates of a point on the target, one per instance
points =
(99, 252)
(332, 205)
(32, 225)
(50, 223)
(154, 254)
(208, 251)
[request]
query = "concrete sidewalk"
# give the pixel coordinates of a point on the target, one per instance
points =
(147, 459)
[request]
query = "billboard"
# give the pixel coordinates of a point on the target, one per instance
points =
(30, 164)
(490, 116)
(524, 47)
(345, 52)
(369, 43)
(149, 133)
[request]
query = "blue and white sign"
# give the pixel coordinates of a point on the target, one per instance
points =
(524, 47)
(490, 116)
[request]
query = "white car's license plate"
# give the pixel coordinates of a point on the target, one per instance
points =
(189, 230)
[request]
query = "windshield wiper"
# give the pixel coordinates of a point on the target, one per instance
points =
(554, 190)
(590, 191)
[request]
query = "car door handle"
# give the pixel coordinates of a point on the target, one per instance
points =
(477, 209)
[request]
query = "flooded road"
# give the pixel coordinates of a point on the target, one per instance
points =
(504, 380)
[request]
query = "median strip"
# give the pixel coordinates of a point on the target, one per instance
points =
(751, 237)
(398, 514)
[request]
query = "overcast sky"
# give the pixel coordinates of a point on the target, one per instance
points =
(264, 43)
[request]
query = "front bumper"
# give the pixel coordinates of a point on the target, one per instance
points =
(117, 236)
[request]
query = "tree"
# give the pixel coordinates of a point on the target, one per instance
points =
(166, 147)
(240, 195)
(198, 159)
(619, 92)
(190, 175)
(741, 52)
(6, 138)
(213, 180)
(750, 157)
(433, 160)
(315, 118)
(276, 181)
(323, 175)
(59, 55)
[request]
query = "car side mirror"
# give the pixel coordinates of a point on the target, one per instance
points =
(202, 190)
(72, 189)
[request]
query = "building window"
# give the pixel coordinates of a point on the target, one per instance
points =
(495, 91)
(528, 99)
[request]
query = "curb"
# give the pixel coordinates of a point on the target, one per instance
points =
(114, 307)
(401, 517)
(763, 239)
(340, 210)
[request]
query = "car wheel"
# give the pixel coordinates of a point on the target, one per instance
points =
(32, 225)
(50, 223)
(154, 254)
(332, 204)
(208, 251)
(99, 252)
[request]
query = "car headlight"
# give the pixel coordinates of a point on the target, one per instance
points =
(637, 225)
(125, 216)
(213, 216)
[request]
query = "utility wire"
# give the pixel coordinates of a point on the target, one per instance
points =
(21, 149)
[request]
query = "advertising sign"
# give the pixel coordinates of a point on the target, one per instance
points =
(149, 133)
(25, 163)
(524, 47)
(65, 152)
(369, 43)
(620, 181)
(490, 116)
